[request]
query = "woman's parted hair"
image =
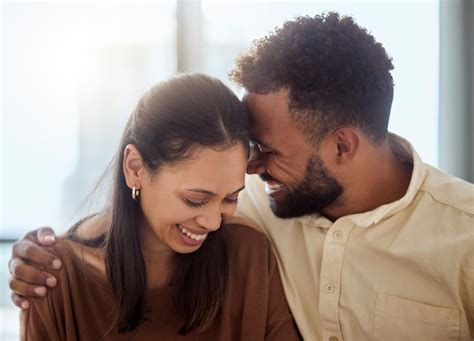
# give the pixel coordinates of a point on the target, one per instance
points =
(173, 117)
(335, 71)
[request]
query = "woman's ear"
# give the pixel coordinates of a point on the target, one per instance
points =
(133, 167)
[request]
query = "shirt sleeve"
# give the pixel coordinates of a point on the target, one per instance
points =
(247, 206)
(280, 322)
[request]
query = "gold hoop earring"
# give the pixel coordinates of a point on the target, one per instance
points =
(135, 193)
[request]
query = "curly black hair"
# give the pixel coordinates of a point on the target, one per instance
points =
(335, 71)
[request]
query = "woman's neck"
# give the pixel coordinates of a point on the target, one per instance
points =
(159, 258)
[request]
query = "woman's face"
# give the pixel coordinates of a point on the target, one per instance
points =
(185, 202)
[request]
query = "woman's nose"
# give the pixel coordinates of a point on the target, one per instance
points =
(210, 221)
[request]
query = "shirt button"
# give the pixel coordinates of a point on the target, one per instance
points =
(337, 235)
(329, 288)
(333, 338)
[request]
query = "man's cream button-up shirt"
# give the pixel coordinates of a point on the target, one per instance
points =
(403, 271)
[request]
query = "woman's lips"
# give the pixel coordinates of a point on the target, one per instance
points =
(190, 238)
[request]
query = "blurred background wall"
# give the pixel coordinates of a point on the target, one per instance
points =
(456, 92)
(71, 73)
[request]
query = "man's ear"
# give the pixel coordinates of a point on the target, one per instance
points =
(347, 140)
(133, 167)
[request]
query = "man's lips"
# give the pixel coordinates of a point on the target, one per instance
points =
(274, 187)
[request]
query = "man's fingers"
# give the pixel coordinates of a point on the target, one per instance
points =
(27, 273)
(42, 236)
(20, 301)
(26, 289)
(29, 251)
(46, 236)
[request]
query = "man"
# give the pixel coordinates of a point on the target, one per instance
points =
(372, 243)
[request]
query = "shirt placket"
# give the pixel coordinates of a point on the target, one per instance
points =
(330, 279)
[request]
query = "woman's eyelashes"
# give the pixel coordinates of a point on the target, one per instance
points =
(194, 203)
(198, 204)
(231, 200)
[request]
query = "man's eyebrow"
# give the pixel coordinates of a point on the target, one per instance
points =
(212, 194)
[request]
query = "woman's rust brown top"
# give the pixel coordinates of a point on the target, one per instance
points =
(81, 306)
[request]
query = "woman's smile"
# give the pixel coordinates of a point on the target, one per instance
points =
(190, 238)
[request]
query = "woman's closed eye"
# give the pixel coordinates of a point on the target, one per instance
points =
(200, 203)
(195, 203)
(231, 200)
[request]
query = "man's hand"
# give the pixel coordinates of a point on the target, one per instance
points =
(28, 266)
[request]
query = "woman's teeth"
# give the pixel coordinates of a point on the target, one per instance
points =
(192, 235)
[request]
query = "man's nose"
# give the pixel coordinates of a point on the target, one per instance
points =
(255, 166)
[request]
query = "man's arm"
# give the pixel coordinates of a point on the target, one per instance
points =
(29, 264)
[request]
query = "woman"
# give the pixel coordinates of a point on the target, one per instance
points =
(157, 262)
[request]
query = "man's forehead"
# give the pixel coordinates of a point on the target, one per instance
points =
(260, 124)
(273, 100)
(271, 123)
(268, 111)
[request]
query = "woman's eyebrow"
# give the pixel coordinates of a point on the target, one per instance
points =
(212, 194)
(202, 191)
(237, 191)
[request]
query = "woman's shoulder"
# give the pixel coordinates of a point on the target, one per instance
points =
(64, 250)
(68, 304)
(85, 241)
(245, 235)
(248, 248)
(68, 277)
(92, 227)
(81, 265)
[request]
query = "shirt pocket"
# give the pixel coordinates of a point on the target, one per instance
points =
(398, 318)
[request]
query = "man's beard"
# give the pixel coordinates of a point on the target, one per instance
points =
(317, 190)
